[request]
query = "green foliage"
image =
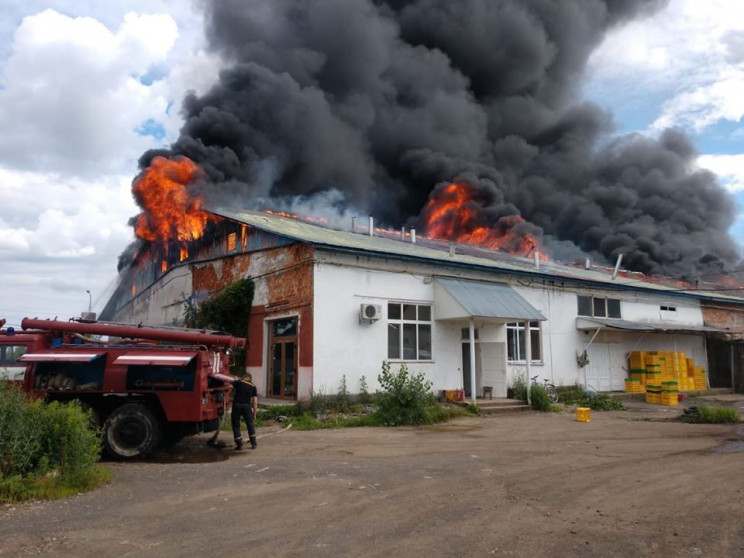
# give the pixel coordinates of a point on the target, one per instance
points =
(603, 402)
(518, 388)
(342, 396)
(539, 398)
(229, 309)
(365, 398)
(21, 439)
(571, 395)
(577, 395)
(711, 415)
(46, 451)
(474, 410)
(406, 398)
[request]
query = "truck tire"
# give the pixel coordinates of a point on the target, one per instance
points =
(131, 431)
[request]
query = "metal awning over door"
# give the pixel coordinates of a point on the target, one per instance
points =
(463, 299)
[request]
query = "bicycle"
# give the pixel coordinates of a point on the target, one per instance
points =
(548, 387)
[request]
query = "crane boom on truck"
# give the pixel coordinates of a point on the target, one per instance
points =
(145, 386)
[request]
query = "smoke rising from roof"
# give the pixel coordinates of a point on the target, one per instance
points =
(385, 102)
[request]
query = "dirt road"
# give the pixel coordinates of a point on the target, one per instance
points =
(625, 484)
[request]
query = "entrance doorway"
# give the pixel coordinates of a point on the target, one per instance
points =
(466, 380)
(283, 359)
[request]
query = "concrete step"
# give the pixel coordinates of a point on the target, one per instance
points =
(501, 405)
(504, 409)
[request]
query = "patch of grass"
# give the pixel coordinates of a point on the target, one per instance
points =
(705, 414)
(576, 395)
(603, 402)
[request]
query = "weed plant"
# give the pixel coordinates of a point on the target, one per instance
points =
(711, 415)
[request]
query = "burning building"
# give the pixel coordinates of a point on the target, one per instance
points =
(332, 305)
(461, 121)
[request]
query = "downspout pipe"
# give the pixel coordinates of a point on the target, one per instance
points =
(528, 358)
(471, 334)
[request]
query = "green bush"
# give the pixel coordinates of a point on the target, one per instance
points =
(711, 415)
(21, 438)
(46, 450)
(571, 395)
(539, 398)
(406, 399)
(518, 388)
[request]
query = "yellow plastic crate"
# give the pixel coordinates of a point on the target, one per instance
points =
(583, 414)
(654, 398)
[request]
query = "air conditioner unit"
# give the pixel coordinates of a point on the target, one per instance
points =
(369, 313)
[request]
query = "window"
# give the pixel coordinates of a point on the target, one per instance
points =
(409, 331)
(599, 307)
(10, 368)
(232, 240)
(516, 344)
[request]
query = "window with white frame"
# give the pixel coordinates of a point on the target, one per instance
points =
(517, 345)
(409, 331)
(598, 307)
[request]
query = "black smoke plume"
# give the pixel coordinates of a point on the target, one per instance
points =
(385, 101)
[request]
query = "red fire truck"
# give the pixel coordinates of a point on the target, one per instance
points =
(145, 386)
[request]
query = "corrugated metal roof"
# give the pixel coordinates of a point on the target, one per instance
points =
(585, 323)
(390, 244)
(479, 299)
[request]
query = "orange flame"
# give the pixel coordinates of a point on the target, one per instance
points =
(318, 220)
(170, 212)
(452, 215)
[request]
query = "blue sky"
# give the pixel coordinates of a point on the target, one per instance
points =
(87, 86)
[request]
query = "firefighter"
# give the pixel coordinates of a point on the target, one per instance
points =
(245, 406)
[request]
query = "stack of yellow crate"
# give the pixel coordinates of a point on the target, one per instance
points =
(654, 366)
(669, 393)
(637, 366)
(699, 378)
(653, 393)
(634, 385)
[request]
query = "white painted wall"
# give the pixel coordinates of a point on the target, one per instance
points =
(343, 346)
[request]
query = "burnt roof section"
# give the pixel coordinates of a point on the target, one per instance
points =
(427, 250)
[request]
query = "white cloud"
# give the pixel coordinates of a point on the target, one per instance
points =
(76, 84)
(689, 53)
(73, 99)
(729, 168)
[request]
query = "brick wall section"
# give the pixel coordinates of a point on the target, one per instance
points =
(725, 318)
(283, 276)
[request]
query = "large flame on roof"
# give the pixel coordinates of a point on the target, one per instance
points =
(452, 213)
(169, 211)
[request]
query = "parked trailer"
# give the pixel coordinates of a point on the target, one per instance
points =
(145, 386)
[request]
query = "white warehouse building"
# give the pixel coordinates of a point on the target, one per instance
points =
(331, 306)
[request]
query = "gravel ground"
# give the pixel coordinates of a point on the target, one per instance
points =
(628, 483)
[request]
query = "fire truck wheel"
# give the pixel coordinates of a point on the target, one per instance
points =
(131, 431)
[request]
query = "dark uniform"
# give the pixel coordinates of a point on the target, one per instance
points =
(244, 405)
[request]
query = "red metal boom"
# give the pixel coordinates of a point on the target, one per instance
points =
(135, 332)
